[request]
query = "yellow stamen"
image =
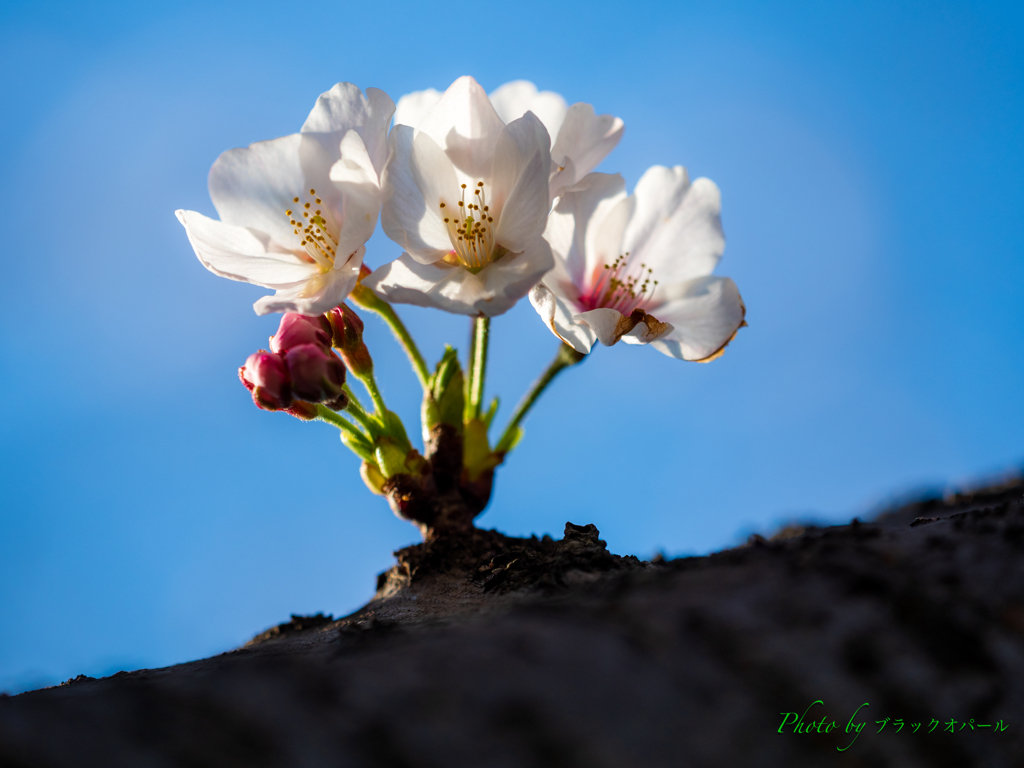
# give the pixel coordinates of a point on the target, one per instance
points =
(471, 237)
(317, 240)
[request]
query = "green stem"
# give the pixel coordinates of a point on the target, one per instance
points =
(359, 413)
(478, 364)
(565, 357)
(352, 398)
(467, 408)
(378, 400)
(326, 414)
(367, 299)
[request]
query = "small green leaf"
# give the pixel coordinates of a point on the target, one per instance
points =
(510, 440)
(443, 402)
(489, 416)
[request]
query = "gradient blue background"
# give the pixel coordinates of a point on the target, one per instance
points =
(871, 160)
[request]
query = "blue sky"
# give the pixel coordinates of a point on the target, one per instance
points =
(871, 161)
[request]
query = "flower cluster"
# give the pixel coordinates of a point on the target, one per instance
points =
(492, 198)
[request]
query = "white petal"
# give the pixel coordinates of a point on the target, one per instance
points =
(493, 291)
(413, 107)
(658, 194)
(511, 277)
(522, 163)
(560, 233)
(513, 100)
(405, 217)
(585, 138)
(604, 322)
(361, 194)
(254, 186)
(320, 294)
(345, 108)
(706, 314)
(563, 177)
(379, 110)
(604, 238)
(573, 225)
(465, 126)
(407, 281)
(354, 165)
(240, 254)
(677, 228)
(337, 110)
(697, 224)
(557, 314)
(691, 242)
(435, 176)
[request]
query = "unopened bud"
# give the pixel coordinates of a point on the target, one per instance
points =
(360, 446)
(373, 477)
(346, 325)
(348, 339)
(296, 330)
(443, 401)
(265, 375)
(390, 457)
(316, 374)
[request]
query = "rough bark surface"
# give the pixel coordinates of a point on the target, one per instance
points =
(490, 651)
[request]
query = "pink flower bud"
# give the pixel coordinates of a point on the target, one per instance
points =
(348, 339)
(265, 375)
(348, 323)
(298, 329)
(316, 374)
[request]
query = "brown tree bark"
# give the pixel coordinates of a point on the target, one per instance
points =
(481, 650)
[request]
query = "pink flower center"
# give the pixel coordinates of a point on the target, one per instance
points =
(619, 286)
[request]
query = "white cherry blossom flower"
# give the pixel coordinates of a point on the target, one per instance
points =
(638, 268)
(467, 198)
(296, 211)
(581, 139)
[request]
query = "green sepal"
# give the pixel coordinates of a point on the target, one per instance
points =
(489, 416)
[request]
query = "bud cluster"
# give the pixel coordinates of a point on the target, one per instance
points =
(299, 370)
